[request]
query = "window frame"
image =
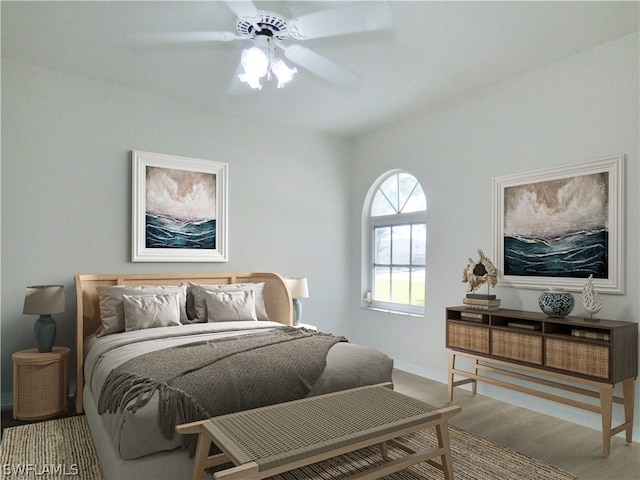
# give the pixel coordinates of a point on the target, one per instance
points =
(370, 223)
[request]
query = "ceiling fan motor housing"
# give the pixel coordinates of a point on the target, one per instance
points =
(265, 23)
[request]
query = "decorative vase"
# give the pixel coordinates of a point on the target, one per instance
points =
(555, 302)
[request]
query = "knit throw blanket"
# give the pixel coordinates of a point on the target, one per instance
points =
(210, 378)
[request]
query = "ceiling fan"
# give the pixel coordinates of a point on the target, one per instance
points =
(268, 30)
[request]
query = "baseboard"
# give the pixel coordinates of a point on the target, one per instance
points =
(420, 370)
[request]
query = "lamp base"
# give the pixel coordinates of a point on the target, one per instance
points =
(44, 331)
(297, 312)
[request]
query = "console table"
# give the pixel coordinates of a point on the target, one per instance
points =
(548, 351)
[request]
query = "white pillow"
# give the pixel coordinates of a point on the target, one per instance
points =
(112, 308)
(197, 306)
(231, 306)
(150, 311)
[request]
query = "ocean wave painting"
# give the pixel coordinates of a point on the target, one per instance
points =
(167, 232)
(578, 254)
(180, 209)
(557, 228)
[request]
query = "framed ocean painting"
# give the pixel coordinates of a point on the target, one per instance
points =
(179, 209)
(555, 227)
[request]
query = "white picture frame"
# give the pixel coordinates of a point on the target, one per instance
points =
(179, 209)
(545, 222)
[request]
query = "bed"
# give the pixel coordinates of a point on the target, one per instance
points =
(129, 441)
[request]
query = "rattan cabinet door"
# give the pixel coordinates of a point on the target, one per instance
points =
(517, 346)
(468, 337)
(577, 357)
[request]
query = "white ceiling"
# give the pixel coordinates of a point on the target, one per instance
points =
(436, 51)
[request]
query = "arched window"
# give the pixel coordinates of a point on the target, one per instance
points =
(395, 235)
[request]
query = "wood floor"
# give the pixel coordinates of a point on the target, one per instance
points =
(568, 446)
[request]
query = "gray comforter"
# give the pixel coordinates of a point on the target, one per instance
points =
(215, 377)
(136, 434)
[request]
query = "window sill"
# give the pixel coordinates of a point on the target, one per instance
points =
(395, 312)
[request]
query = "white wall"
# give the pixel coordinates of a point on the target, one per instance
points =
(66, 193)
(583, 108)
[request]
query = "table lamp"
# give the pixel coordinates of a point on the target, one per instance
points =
(44, 300)
(299, 289)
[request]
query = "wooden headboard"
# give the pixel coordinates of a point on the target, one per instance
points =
(277, 300)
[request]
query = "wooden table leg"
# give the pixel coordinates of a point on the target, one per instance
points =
(451, 365)
(606, 408)
(628, 392)
(474, 384)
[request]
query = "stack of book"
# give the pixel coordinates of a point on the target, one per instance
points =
(481, 301)
(474, 317)
(590, 334)
(525, 325)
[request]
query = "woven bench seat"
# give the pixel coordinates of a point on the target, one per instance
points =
(266, 441)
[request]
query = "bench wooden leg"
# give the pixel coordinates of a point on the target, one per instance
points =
(384, 451)
(442, 431)
(200, 459)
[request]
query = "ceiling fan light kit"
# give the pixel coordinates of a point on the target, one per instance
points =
(260, 61)
(268, 30)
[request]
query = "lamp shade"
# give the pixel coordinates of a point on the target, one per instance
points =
(44, 300)
(283, 72)
(298, 287)
(255, 62)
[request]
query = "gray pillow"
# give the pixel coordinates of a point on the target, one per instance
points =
(231, 306)
(112, 308)
(150, 311)
(197, 306)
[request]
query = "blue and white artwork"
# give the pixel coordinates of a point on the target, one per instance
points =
(180, 209)
(558, 228)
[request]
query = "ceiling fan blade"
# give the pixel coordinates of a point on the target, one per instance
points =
(242, 8)
(320, 66)
(354, 18)
(183, 37)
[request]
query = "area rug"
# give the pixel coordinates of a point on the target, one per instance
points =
(62, 449)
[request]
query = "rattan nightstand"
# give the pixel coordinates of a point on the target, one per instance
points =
(40, 383)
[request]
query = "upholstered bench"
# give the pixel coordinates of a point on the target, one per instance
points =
(267, 441)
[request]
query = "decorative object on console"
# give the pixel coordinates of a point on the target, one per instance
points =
(476, 274)
(44, 300)
(591, 300)
(480, 272)
(299, 288)
(478, 302)
(555, 302)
